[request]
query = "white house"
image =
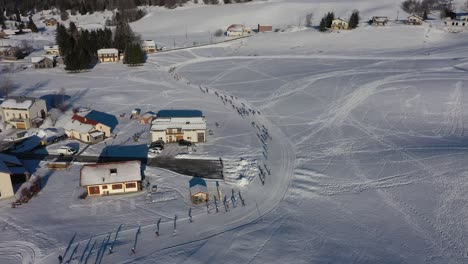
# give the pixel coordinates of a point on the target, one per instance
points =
(235, 30)
(52, 50)
(12, 174)
(339, 23)
(175, 125)
(111, 177)
(108, 55)
(149, 46)
(23, 112)
(415, 20)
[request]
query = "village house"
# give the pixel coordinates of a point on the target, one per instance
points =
(111, 177)
(23, 112)
(176, 125)
(149, 46)
(52, 50)
(147, 118)
(235, 30)
(415, 20)
(11, 53)
(90, 126)
(12, 175)
(263, 28)
(108, 55)
(198, 191)
(339, 24)
(379, 20)
(51, 22)
(43, 62)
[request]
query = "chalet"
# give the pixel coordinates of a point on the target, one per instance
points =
(263, 28)
(147, 118)
(379, 20)
(52, 50)
(51, 22)
(108, 55)
(12, 175)
(11, 53)
(23, 112)
(111, 177)
(235, 30)
(198, 191)
(149, 46)
(43, 62)
(176, 125)
(415, 20)
(90, 126)
(339, 24)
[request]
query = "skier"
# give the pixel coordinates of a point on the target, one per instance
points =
(60, 258)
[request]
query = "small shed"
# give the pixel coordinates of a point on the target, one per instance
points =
(264, 28)
(198, 191)
(379, 20)
(147, 118)
(43, 62)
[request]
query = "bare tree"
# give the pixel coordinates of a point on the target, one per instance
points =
(309, 19)
(218, 33)
(54, 115)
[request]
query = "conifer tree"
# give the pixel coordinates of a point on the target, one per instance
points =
(32, 26)
(354, 20)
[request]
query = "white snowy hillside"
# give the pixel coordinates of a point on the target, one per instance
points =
(346, 146)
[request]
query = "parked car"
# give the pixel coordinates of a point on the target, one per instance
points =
(184, 142)
(157, 144)
(66, 151)
(155, 150)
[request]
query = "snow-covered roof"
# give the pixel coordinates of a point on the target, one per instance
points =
(416, 17)
(10, 31)
(339, 20)
(19, 102)
(96, 134)
(236, 28)
(10, 164)
(380, 18)
(93, 117)
(36, 59)
(148, 115)
(184, 123)
(148, 43)
(54, 47)
(75, 125)
(100, 173)
(107, 51)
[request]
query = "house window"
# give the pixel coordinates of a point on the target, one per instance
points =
(130, 185)
(113, 171)
(189, 138)
(104, 187)
(25, 115)
(160, 138)
(87, 137)
(116, 186)
(93, 190)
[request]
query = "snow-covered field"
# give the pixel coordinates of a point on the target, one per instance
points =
(366, 158)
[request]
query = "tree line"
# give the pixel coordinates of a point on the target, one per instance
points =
(424, 7)
(79, 47)
(26, 7)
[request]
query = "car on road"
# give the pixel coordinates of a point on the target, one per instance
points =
(66, 151)
(184, 142)
(155, 150)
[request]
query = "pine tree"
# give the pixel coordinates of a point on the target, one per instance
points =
(32, 26)
(329, 19)
(323, 25)
(134, 54)
(354, 20)
(18, 15)
(123, 35)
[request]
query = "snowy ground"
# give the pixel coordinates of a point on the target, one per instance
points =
(367, 156)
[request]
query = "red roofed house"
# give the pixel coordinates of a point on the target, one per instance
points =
(90, 126)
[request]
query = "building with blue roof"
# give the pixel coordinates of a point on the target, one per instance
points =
(177, 125)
